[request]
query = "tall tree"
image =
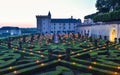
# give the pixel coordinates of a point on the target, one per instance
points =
(104, 6)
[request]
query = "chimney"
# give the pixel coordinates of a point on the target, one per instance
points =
(71, 17)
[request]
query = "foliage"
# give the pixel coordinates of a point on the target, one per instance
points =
(107, 5)
(90, 16)
(112, 16)
(108, 10)
(27, 61)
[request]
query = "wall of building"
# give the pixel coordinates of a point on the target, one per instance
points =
(47, 25)
(43, 25)
(62, 28)
(104, 31)
(85, 30)
(11, 32)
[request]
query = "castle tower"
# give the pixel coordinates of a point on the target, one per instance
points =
(43, 23)
(49, 14)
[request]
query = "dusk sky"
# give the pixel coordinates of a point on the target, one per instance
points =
(21, 13)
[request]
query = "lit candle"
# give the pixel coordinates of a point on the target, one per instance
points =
(42, 55)
(90, 50)
(118, 67)
(90, 67)
(10, 67)
(73, 63)
(59, 59)
(115, 73)
(94, 63)
(73, 52)
(37, 61)
(78, 54)
(42, 64)
(14, 72)
(31, 53)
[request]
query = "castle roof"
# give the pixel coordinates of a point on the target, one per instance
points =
(65, 21)
(42, 16)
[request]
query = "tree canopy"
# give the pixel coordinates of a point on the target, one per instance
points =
(107, 10)
(107, 5)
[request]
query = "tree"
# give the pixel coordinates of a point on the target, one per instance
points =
(104, 6)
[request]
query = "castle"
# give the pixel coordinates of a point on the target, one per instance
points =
(47, 25)
(108, 31)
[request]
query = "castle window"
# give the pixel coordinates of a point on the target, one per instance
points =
(64, 27)
(69, 26)
(60, 27)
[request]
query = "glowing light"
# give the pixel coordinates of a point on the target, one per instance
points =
(39, 51)
(42, 55)
(97, 48)
(42, 64)
(72, 52)
(73, 63)
(118, 67)
(7, 31)
(59, 59)
(37, 61)
(31, 53)
(78, 54)
(12, 33)
(118, 48)
(14, 72)
(94, 63)
(103, 47)
(115, 73)
(112, 35)
(90, 67)
(23, 51)
(90, 50)
(84, 49)
(10, 67)
(59, 55)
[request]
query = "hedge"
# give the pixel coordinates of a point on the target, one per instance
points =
(106, 17)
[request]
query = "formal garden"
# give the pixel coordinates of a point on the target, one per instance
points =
(70, 54)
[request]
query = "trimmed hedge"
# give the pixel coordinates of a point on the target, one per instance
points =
(106, 17)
